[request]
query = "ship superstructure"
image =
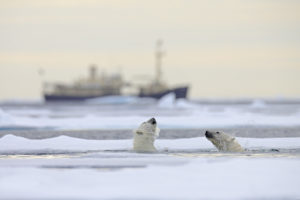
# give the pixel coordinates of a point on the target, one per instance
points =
(93, 86)
(158, 88)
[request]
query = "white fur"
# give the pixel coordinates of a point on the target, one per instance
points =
(224, 142)
(144, 137)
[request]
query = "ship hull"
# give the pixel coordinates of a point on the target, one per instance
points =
(52, 98)
(180, 92)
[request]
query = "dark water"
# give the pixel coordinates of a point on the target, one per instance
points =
(250, 132)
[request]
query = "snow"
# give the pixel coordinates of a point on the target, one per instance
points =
(14, 143)
(72, 168)
(200, 179)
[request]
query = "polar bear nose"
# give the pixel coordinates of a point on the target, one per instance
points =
(208, 134)
(152, 121)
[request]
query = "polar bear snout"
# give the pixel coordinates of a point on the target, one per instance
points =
(208, 134)
(152, 121)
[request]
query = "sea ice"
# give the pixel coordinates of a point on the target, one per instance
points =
(72, 168)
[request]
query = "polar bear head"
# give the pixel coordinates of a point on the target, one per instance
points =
(223, 141)
(148, 127)
(145, 136)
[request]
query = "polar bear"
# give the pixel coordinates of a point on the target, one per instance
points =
(145, 136)
(223, 141)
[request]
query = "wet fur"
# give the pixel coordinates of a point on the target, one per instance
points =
(144, 137)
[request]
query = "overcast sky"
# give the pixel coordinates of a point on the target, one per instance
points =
(242, 48)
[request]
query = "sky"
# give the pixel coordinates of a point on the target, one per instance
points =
(222, 49)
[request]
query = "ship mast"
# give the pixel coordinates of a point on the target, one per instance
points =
(158, 57)
(93, 72)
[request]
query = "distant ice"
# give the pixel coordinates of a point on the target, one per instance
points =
(112, 100)
(192, 119)
(258, 103)
(167, 101)
(183, 103)
(20, 101)
(170, 114)
(5, 118)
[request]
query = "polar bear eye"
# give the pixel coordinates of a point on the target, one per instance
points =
(217, 132)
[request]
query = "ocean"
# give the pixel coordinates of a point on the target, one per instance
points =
(84, 150)
(182, 119)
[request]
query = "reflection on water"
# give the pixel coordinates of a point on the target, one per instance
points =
(49, 156)
(97, 167)
(238, 155)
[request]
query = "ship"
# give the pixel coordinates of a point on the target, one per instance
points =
(95, 86)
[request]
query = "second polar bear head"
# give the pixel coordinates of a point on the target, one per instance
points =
(145, 136)
(223, 141)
